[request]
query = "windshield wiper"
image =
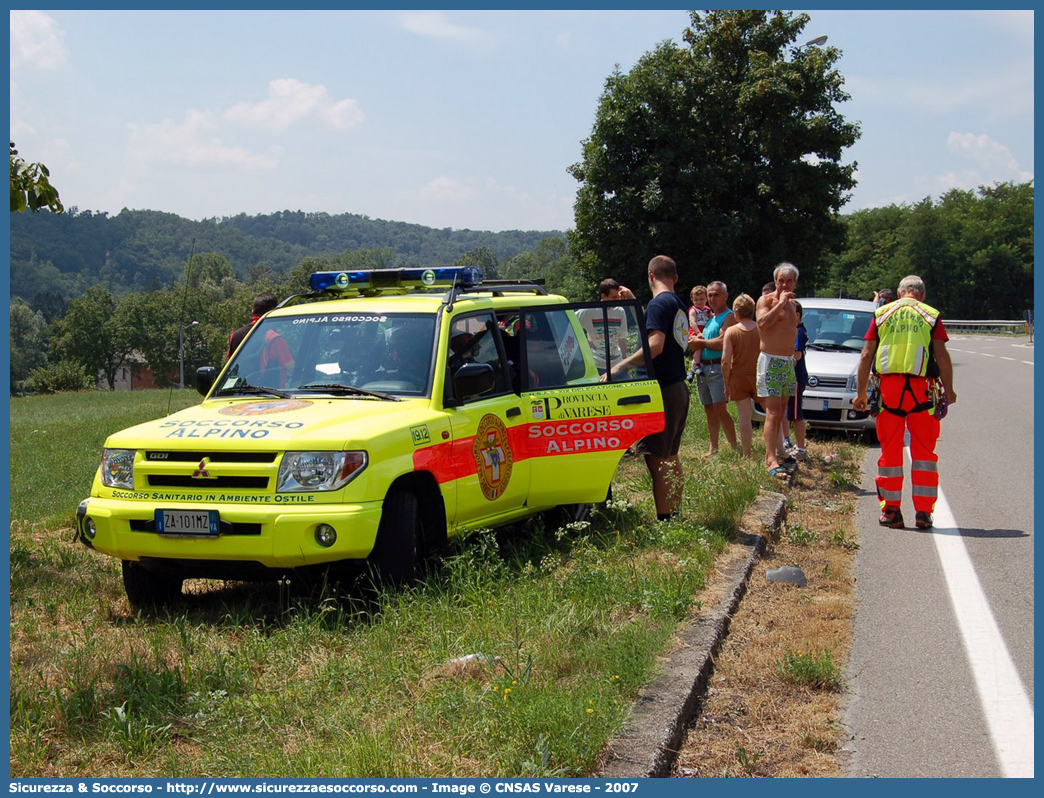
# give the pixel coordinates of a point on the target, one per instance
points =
(254, 390)
(832, 348)
(340, 388)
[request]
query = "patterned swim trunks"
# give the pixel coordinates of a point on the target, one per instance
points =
(776, 375)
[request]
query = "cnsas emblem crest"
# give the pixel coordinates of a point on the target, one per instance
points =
(492, 456)
(681, 329)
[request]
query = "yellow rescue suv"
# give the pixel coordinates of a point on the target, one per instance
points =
(366, 422)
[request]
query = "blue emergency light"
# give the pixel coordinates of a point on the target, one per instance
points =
(396, 280)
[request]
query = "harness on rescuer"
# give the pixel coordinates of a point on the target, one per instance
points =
(919, 407)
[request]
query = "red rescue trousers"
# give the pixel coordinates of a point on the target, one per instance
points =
(924, 433)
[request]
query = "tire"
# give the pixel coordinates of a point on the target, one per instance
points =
(396, 553)
(563, 514)
(147, 590)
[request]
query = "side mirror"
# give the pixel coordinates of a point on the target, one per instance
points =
(205, 376)
(473, 379)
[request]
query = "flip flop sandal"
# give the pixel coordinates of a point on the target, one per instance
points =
(779, 472)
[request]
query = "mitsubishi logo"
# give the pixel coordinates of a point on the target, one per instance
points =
(201, 472)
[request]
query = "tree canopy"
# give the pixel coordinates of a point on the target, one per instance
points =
(142, 250)
(973, 249)
(31, 187)
(725, 154)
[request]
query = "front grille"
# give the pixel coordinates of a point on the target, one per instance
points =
(202, 470)
(176, 481)
(214, 457)
(227, 527)
(831, 382)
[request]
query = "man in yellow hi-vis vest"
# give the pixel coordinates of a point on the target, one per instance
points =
(906, 343)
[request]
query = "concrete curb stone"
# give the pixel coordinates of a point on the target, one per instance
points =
(652, 735)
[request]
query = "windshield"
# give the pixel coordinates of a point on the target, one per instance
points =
(829, 328)
(339, 353)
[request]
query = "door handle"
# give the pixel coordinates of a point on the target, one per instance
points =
(641, 399)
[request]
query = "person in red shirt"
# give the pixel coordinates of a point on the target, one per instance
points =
(275, 354)
(261, 305)
(906, 345)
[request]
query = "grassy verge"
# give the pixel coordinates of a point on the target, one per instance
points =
(774, 705)
(518, 655)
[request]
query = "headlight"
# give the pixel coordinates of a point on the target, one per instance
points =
(853, 379)
(315, 471)
(117, 468)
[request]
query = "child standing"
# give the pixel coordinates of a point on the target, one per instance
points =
(795, 415)
(739, 365)
(699, 314)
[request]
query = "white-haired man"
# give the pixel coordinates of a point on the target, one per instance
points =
(907, 343)
(777, 324)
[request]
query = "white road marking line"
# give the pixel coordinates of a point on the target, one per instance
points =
(1008, 711)
(986, 354)
(1002, 357)
(1027, 362)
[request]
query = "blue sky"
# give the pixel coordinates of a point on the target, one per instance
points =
(461, 119)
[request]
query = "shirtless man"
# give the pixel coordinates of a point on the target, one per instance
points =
(777, 324)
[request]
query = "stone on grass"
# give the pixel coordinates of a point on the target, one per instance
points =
(788, 573)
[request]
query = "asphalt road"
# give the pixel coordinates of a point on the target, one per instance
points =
(941, 670)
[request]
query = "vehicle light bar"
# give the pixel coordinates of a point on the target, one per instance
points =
(366, 282)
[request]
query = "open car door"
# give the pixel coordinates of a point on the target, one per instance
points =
(578, 427)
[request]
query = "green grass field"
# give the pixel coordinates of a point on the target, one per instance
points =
(558, 630)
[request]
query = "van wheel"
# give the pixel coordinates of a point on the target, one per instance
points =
(396, 552)
(146, 590)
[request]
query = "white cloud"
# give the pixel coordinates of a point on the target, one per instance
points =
(443, 189)
(992, 157)
(193, 142)
(200, 140)
(36, 41)
(436, 25)
(291, 101)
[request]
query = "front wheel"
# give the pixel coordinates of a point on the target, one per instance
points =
(147, 590)
(396, 552)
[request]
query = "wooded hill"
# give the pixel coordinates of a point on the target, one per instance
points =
(140, 251)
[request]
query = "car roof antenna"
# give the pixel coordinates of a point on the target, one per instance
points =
(184, 303)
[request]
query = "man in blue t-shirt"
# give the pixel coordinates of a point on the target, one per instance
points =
(667, 327)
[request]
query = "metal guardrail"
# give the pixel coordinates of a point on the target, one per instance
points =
(989, 326)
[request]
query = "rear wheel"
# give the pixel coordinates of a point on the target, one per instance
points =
(564, 514)
(147, 590)
(396, 553)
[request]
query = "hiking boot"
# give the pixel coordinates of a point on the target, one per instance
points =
(799, 454)
(891, 517)
(924, 520)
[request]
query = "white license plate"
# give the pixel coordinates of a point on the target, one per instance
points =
(815, 404)
(188, 522)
